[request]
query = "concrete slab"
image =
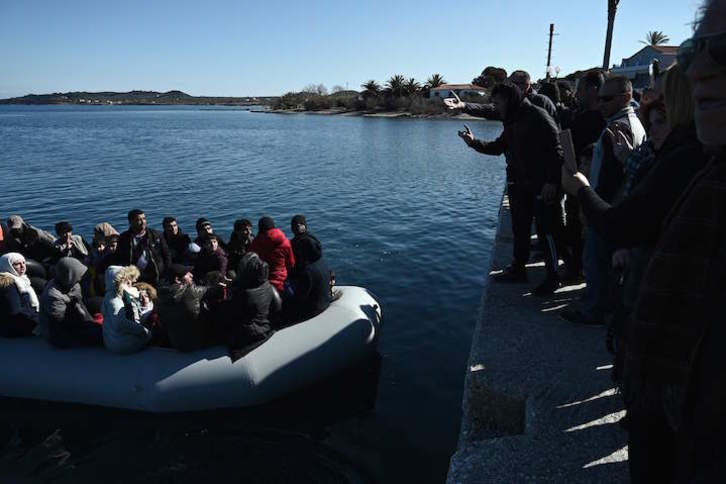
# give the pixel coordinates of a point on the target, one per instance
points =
(539, 403)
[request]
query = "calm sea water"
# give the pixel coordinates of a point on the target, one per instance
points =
(402, 207)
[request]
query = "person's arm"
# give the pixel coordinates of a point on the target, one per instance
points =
(222, 263)
(165, 255)
(553, 155)
(494, 148)
(486, 111)
(289, 258)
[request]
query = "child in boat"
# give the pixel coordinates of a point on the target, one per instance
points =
(122, 328)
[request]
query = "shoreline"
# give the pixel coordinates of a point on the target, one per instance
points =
(370, 114)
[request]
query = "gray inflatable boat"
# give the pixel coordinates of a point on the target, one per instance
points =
(165, 380)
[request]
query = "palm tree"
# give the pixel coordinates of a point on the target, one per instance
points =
(411, 86)
(655, 38)
(370, 88)
(435, 81)
(612, 10)
(395, 85)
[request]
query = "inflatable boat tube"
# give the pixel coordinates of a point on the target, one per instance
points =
(162, 380)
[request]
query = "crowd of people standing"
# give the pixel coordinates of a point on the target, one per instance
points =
(128, 290)
(641, 219)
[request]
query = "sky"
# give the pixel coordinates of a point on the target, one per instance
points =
(243, 48)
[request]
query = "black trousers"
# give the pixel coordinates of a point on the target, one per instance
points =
(525, 205)
(573, 237)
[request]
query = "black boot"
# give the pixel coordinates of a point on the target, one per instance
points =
(512, 273)
(547, 287)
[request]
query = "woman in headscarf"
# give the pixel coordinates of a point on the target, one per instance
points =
(19, 303)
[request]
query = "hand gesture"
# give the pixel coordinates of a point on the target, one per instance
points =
(622, 146)
(466, 135)
(454, 102)
(572, 182)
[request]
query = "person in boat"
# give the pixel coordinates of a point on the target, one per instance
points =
(143, 247)
(239, 242)
(19, 304)
(274, 248)
(204, 228)
(309, 283)
(212, 258)
(3, 232)
(180, 310)
(300, 232)
(35, 244)
(69, 245)
(254, 301)
(122, 329)
(97, 252)
(64, 318)
(177, 241)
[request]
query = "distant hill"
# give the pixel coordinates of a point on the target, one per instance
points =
(134, 97)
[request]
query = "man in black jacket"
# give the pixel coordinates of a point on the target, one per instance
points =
(534, 158)
(143, 247)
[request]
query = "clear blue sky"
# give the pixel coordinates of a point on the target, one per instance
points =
(240, 48)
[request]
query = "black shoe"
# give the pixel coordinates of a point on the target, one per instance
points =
(547, 287)
(573, 277)
(578, 317)
(511, 274)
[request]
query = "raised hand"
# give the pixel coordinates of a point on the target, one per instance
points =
(467, 135)
(454, 102)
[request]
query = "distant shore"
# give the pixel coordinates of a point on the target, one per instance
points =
(369, 114)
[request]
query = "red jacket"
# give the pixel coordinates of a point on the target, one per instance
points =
(274, 248)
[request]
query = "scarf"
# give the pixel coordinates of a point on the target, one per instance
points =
(21, 282)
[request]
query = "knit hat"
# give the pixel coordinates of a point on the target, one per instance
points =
(201, 222)
(265, 224)
(180, 270)
(297, 220)
(15, 222)
(63, 228)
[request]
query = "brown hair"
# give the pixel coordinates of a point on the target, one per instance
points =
(678, 93)
(150, 290)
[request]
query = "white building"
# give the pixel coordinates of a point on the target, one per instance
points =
(637, 67)
(445, 90)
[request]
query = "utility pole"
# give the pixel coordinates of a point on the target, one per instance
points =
(549, 50)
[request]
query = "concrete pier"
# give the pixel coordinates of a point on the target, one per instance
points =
(539, 403)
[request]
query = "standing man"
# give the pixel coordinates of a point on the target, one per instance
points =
(534, 159)
(586, 126)
(143, 247)
(607, 175)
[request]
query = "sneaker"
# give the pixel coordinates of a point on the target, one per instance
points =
(547, 287)
(511, 274)
(578, 317)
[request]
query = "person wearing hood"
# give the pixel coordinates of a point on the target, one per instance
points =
(143, 247)
(534, 157)
(254, 300)
(309, 282)
(177, 241)
(64, 318)
(212, 258)
(274, 248)
(239, 242)
(122, 329)
(299, 227)
(69, 245)
(19, 303)
(33, 243)
(180, 310)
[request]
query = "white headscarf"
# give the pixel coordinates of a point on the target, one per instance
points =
(21, 282)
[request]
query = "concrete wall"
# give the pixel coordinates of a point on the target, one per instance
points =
(539, 404)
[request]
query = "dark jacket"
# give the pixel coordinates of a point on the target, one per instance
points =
(210, 262)
(310, 281)
(299, 242)
(531, 142)
(177, 245)
(638, 220)
(273, 247)
(248, 314)
(488, 111)
(64, 318)
(680, 303)
(12, 323)
(586, 128)
(180, 311)
(236, 249)
(153, 243)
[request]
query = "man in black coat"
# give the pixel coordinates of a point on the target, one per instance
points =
(143, 247)
(534, 159)
(177, 241)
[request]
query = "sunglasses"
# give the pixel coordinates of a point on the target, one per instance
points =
(714, 44)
